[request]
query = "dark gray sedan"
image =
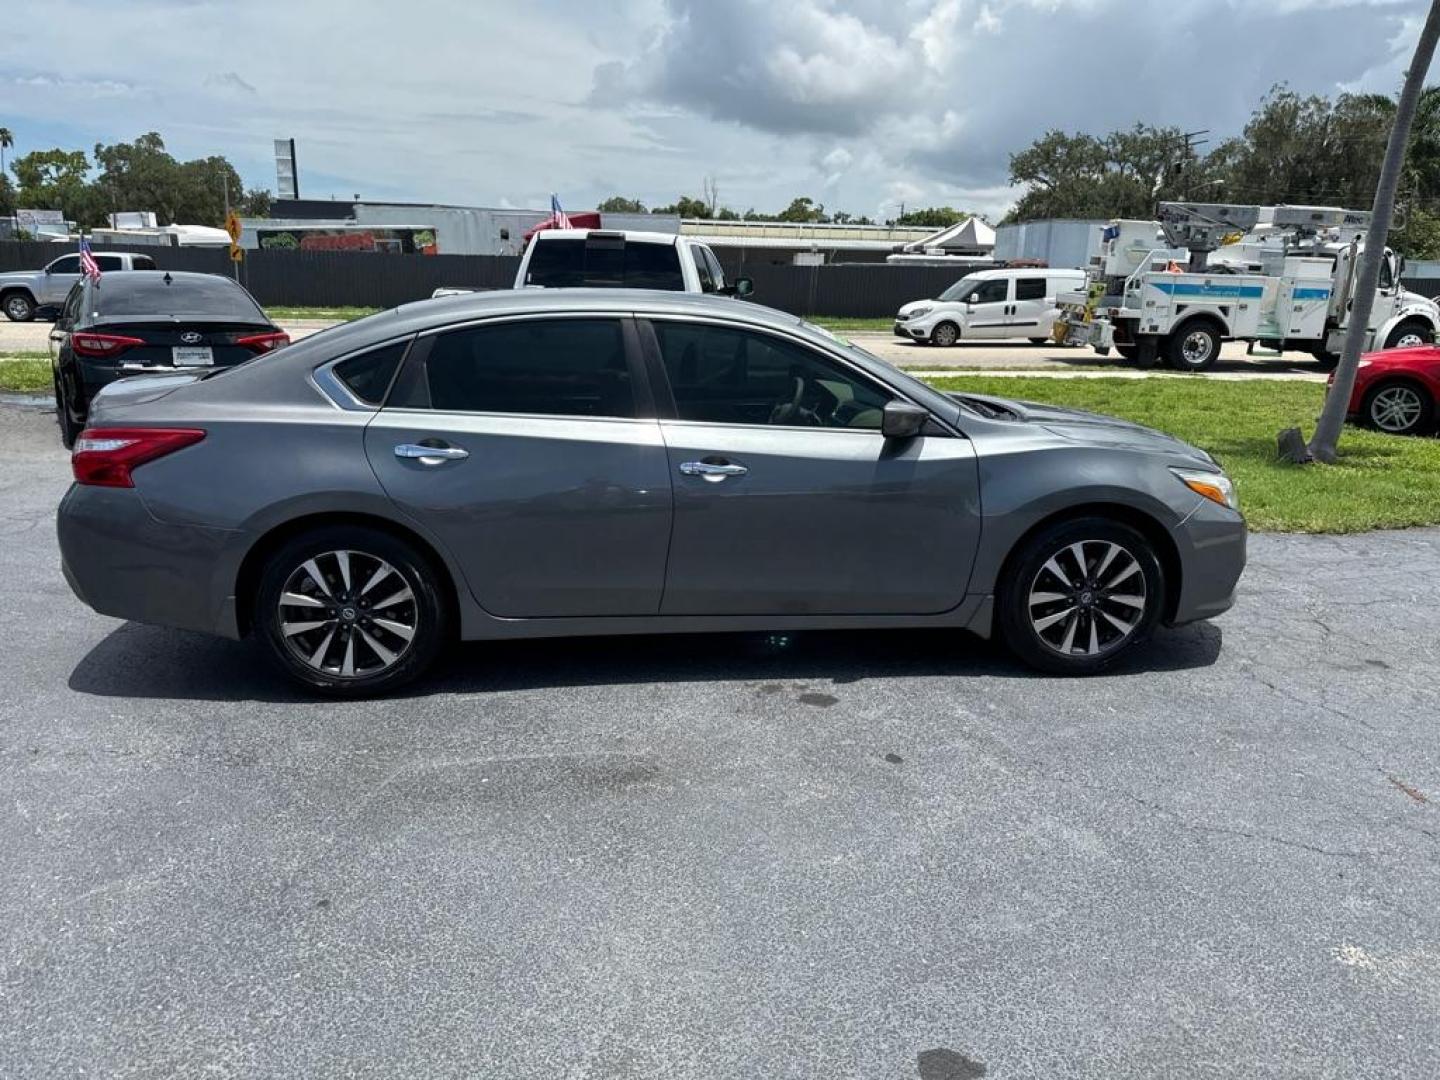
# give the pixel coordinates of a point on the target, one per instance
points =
(556, 463)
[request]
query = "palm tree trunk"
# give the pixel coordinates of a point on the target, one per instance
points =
(1323, 447)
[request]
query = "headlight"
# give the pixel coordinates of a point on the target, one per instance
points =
(1214, 486)
(918, 312)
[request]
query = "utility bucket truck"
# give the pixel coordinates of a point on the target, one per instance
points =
(1173, 290)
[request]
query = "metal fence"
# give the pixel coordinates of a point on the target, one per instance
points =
(344, 279)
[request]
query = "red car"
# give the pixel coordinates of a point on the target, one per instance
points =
(1396, 391)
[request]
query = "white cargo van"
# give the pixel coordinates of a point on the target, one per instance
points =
(990, 304)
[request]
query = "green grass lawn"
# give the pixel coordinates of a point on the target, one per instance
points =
(1382, 481)
(838, 324)
(24, 373)
(334, 314)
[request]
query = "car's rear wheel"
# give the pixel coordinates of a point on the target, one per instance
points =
(1079, 594)
(18, 307)
(1399, 408)
(945, 335)
(1038, 340)
(350, 611)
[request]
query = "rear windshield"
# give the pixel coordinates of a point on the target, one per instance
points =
(558, 264)
(150, 295)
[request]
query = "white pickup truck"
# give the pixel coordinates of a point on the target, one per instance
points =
(603, 258)
(23, 291)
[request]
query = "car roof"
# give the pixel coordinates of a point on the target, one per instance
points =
(107, 251)
(1027, 271)
(157, 279)
(630, 235)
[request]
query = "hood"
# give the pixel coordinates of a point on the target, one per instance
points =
(906, 309)
(1092, 429)
(18, 275)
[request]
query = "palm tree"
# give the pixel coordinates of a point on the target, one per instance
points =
(7, 140)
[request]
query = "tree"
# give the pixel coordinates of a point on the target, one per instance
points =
(618, 204)
(7, 140)
(1419, 237)
(254, 203)
(1122, 175)
(7, 197)
(686, 207)
(711, 191)
(932, 217)
(803, 209)
(142, 175)
(56, 180)
(1324, 446)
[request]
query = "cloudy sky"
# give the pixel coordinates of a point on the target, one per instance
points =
(861, 104)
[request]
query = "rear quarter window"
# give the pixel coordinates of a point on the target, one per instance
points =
(368, 376)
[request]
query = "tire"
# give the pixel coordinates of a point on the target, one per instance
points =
(1038, 340)
(1194, 347)
(69, 429)
(1398, 407)
(347, 632)
(945, 334)
(1326, 361)
(1128, 352)
(1040, 611)
(1408, 334)
(18, 307)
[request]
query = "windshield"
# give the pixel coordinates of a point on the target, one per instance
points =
(961, 289)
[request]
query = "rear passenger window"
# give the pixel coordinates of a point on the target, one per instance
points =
(368, 375)
(142, 262)
(109, 262)
(1030, 289)
(549, 367)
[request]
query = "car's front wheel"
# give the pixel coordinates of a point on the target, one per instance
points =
(945, 335)
(1399, 408)
(1409, 334)
(350, 611)
(1079, 594)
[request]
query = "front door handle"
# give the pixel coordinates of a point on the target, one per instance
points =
(711, 471)
(431, 455)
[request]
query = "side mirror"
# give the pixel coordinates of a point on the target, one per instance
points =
(901, 420)
(744, 286)
(47, 312)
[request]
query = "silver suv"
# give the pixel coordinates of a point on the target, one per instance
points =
(24, 292)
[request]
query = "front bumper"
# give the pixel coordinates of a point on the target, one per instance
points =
(122, 561)
(1212, 543)
(912, 331)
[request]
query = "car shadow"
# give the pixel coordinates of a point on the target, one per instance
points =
(142, 662)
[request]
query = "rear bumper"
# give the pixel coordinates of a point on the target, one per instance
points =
(121, 561)
(1212, 544)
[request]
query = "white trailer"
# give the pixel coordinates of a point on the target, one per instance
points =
(1175, 288)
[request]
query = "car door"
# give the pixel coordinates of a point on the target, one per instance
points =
(788, 500)
(987, 310)
(59, 276)
(1031, 310)
(530, 448)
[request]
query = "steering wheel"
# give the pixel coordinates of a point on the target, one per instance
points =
(792, 412)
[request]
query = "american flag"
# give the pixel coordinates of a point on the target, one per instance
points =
(88, 266)
(558, 216)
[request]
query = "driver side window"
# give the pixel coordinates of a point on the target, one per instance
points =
(720, 375)
(992, 292)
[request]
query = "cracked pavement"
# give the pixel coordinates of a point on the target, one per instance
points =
(869, 854)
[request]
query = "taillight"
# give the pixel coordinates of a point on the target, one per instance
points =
(264, 342)
(102, 345)
(105, 457)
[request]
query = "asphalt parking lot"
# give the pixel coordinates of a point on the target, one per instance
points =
(870, 855)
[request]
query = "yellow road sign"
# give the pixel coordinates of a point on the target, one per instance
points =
(237, 253)
(232, 226)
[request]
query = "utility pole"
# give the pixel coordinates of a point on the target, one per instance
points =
(1323, 447)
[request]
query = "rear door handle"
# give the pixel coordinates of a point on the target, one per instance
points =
(711, 471)
(431, 455)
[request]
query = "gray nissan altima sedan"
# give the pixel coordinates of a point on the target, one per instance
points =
(562, 462)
